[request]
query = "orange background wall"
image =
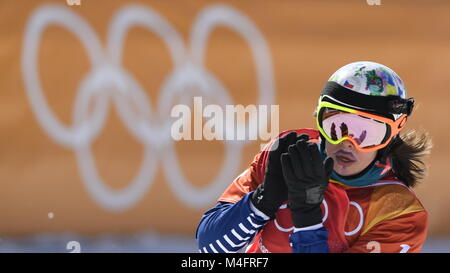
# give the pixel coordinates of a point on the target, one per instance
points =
(308, 41)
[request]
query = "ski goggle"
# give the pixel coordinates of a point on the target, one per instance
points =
(367, 132)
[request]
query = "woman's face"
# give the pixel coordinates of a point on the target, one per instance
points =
(347, 159)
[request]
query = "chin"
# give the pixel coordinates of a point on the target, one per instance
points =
(345, 172)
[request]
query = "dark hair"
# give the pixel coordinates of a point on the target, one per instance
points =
(407, 156)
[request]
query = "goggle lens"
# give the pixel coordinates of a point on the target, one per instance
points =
(366, 132)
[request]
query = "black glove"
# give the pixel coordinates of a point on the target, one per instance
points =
(306, 178)
(269, 195)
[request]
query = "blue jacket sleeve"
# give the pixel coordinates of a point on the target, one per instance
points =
(228, 227)
(310, 241)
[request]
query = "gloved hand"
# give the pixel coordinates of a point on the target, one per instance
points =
(269, 195)
(306, 178)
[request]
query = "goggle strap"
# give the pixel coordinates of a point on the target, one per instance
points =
(386, 105)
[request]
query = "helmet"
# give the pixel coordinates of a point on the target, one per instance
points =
(364, 102)
(369, 86)
(369, 78)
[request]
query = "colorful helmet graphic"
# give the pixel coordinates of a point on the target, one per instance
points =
(370, 78)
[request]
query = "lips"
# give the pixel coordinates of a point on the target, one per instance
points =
(345, 158)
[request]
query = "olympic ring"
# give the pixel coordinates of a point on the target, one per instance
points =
(107, 82)
(361, 219)
(289, 229)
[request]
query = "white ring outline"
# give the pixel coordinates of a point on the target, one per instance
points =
(361, 218)
(284, 206)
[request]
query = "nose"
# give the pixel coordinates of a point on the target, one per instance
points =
(347, 144)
